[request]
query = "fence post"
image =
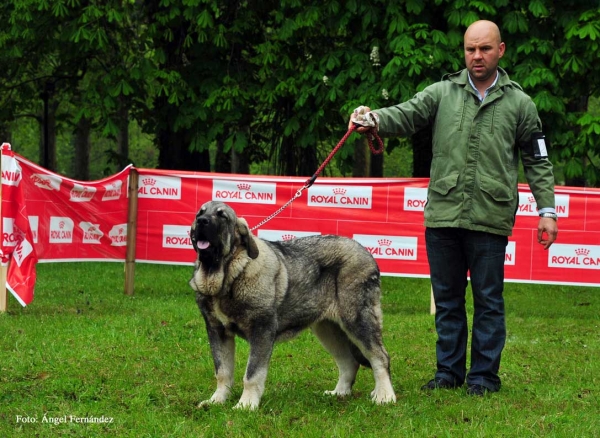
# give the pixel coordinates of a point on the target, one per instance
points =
(3, 291)
(432, 303)
(132, 210)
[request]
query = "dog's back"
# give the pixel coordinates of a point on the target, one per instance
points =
(328, 278)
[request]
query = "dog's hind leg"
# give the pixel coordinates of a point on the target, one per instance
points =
(222, 346)
(366, 333)
(338, 345)
(383, 392)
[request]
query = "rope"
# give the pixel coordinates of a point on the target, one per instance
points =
(309, 182)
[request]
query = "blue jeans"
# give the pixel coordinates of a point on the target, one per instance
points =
(453, 254)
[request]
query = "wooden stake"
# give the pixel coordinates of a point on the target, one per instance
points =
(132, 211)
(3, 291)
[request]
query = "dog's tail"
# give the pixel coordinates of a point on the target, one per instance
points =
(360, 358)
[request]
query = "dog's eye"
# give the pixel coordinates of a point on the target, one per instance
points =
(221, 213)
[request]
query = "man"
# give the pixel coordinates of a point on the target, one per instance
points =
(482, 122)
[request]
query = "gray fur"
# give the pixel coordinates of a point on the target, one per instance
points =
(267, 291)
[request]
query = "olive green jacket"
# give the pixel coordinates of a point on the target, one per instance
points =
(476, 145)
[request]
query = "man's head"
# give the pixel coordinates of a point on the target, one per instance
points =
(483, 49)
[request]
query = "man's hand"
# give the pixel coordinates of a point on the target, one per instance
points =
(547, 231)
(357, 114)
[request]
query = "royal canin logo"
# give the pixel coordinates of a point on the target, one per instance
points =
(160, 187)
(383, 247)
(340, 196)
(287, 237)
(176, 236)
(574, 256)
(245, 192)
(61, 230)
(81, 193)
(44, 182)
(118, 235)
(112, 191)
(582, 251)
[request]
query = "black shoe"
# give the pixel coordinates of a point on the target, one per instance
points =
(438, 383)
(477, 390)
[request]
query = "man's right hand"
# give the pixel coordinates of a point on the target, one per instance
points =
(355, 119)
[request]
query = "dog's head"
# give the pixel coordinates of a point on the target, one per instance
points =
(217, 231)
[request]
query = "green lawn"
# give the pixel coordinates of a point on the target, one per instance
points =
(138, 366)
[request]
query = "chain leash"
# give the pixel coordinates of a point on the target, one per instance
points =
(309, 182)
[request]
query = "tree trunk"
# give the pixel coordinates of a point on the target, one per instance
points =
(360, 166)
(581, 106)
(222, 160)
(175, 154)
(47, 158)
(422, 144)
(81, 169)
(377, 164)
(123, 135)
(5, 133)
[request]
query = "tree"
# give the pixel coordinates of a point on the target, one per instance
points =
(274, 82)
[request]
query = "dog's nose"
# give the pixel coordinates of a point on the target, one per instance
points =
(202, 220)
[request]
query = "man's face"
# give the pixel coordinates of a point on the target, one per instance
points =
(483, 50)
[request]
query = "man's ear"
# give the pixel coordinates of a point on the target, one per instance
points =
(247, 238)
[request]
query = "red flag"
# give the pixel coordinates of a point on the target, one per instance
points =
(17, 237)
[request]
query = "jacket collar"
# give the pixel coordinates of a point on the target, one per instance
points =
(461, 78)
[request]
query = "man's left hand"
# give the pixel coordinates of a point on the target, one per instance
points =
(547, 231)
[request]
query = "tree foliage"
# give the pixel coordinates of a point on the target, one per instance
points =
(274, 81)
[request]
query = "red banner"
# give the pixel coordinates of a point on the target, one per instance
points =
(17, 242)
(87, 221)
(383, 214)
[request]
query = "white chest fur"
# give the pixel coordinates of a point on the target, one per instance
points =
(218, 313)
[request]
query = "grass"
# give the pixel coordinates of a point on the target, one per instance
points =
(83, 350)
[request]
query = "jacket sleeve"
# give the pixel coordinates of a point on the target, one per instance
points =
(538, 172)
(406, 118)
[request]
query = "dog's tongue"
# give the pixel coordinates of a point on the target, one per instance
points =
(203, 244)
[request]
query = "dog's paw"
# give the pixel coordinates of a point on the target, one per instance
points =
(382, 397)
(218, 398)
(204, 404)
(338, 393)
(246, 406)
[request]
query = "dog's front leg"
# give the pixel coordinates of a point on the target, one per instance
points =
(222, 346)
(261, 342)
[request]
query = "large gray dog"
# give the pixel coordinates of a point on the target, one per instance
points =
(270, 291)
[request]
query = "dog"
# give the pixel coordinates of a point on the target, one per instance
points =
(267, 292)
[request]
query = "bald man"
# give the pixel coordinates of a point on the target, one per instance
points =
(482, 124)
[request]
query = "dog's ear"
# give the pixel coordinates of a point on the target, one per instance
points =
(247, 238)
(193, 236)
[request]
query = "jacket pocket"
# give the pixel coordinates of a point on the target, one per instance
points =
(500, 192)
(443, 205)
(445, 184)
(494, 205)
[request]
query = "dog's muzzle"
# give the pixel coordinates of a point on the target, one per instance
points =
(197, 234)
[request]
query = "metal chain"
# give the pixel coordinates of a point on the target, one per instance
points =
(283, 207)
(311, 180)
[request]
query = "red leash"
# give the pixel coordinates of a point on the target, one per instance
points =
(370, 137)
(309, 182)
